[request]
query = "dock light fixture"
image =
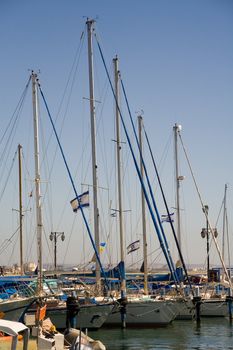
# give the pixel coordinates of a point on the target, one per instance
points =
(53, 237)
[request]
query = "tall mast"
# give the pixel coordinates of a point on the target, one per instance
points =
(119, 178)
(20, 210)
(140, 121)
(224, 221)
(177, 129)
(89, 24)
(37, 177)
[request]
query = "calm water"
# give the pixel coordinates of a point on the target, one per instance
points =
(213, 334)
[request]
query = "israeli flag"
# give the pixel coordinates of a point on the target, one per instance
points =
(165, 218)
(81, 201)
(133, 246)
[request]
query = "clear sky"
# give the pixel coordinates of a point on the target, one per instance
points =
(176, 61)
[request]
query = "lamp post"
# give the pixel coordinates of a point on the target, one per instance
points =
(53, 237)
(205, 233)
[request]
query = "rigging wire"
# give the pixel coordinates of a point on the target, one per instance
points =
(18, 107)
(156, 257)
(9, 141)
(220, 210)
(73, 185)
(68, 244)
(164, 247)
(103, 150)
(31, 237)
(163, 240)
(162, 161)
(7, 242)
(70, 83)
(167, 209)
(9, 135)
(13, 251)
(150, 254)
(228, 246)
(8, 176)
(205, 212)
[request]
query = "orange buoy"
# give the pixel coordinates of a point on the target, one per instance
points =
(9, 337)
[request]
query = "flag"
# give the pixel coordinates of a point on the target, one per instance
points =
(102, 247)
(165, 218)
(81, 201)
(133, 246)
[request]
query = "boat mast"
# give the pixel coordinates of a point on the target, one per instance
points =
(119, 178)
(20, 209)
(224, 231)
(37, 177)
(89, 24)
(224, 222)
(140, 121)
(177, 129)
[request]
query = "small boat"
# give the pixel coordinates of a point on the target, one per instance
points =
(72, 339)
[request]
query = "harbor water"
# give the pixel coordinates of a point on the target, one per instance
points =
(211, 333)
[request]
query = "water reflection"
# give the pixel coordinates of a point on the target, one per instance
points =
(215, 333)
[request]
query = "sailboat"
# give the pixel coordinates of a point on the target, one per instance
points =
(212, 303)
(182, 306)
(14, 306)
(136, 311)
(214, 300)
(89, 315)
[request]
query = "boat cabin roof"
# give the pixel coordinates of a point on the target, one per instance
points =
(12, 328)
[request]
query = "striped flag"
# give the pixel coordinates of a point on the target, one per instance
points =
(133, 246)
(165, 218)
(81, 201)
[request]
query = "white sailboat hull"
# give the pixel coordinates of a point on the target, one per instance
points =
(184, 308)
(214, 308)
(91, 316)
(208, 308)
(144, 313)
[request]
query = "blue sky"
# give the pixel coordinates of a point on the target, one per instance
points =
(176, 61)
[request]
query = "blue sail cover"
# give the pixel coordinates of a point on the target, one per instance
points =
(116, 272)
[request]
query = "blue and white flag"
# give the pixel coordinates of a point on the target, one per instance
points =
(81, 201)
(165, 218)
(133, 246)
